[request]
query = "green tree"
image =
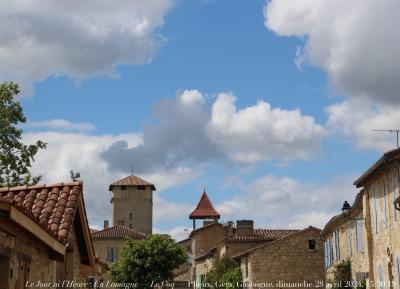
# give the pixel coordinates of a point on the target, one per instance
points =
(342, 275)
(150, 260)
(225, 273)
(15, 157)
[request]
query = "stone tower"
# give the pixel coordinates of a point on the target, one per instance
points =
(132, 203)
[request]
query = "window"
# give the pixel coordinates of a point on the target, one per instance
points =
(130, 226)
(312, 244)
(380, 277)
(385, 202)
(336, 248)
(123, 188)
(376, 212)
(112, 254)
(395, 181)
(326, 254)
(130, 216)
(349, 242)
(141, 188)
(359, 235)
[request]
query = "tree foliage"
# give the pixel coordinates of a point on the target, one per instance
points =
(342, 275)
(15, 157)
(225, 273)
(147, 261)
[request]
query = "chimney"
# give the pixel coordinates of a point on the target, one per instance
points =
(244, 227)
(229, 228)
(106, 226)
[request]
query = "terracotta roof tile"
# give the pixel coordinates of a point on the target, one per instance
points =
(204, 209)
(118, 232)
(131, 181)
(263, 235)
(51, 206)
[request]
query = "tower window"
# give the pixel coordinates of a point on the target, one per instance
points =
(130, 216)
(141, 188)
(123, 188)
(312, 244)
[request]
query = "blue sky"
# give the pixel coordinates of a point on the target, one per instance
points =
(314, 138)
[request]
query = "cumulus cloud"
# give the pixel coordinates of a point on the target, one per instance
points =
(78, 39)
(178, 233)
(355, 120)
(187, 132)
(281, 202)
(60, 124)
(260, 132)
(356, 42)
(82, 153)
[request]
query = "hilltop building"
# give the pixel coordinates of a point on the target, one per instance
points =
(132, 204)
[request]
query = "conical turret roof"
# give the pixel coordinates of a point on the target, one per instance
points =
(204, 209)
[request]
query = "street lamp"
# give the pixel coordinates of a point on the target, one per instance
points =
(396, 203)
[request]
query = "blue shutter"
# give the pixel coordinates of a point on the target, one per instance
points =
(330, 248)
(109, 254)
(376, 213)
(337, 245)
(381, 277)
(349, 242)
(326, 253)
(385, 201)
(359, 235)
(398, 270)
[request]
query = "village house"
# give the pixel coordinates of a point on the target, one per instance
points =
(214, 240)
(44, 236)
(344, 237)
(368, 232)
(294, 260)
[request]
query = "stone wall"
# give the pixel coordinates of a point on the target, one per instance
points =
(288, 260)
(135, 203)
(385, 242)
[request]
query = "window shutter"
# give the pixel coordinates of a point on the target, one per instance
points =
(376, 213)
(381, 278)
(398, 270)
(109, 254)
(359, 235)
(349, 241)
(115, 254)
(385, 201)
(326, 254)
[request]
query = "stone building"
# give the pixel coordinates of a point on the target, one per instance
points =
(108, 243)
(44, 235)
(214, 240)
(375, 256)
(344, 237)
(132, 204)
(295, 260)
(380, 184)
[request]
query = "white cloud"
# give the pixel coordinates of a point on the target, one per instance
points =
(356, 42)
(78, 39)
(82, 153)
(60, 124)
(260, 132)
(187, 132)
(356, 119)
(178, 233)
(281, 202)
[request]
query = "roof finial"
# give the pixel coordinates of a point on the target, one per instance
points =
(204, 190)
(132, 169)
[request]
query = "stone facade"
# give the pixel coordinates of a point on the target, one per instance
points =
(285, 262)
(132, 207)
(375, 215)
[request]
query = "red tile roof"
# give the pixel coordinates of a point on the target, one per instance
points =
(51, 206)
(118, 232)
(204, 209)
(131, 181)
(262, 235)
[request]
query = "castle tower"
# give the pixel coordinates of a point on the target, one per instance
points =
(132, 203)
(204, 211)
